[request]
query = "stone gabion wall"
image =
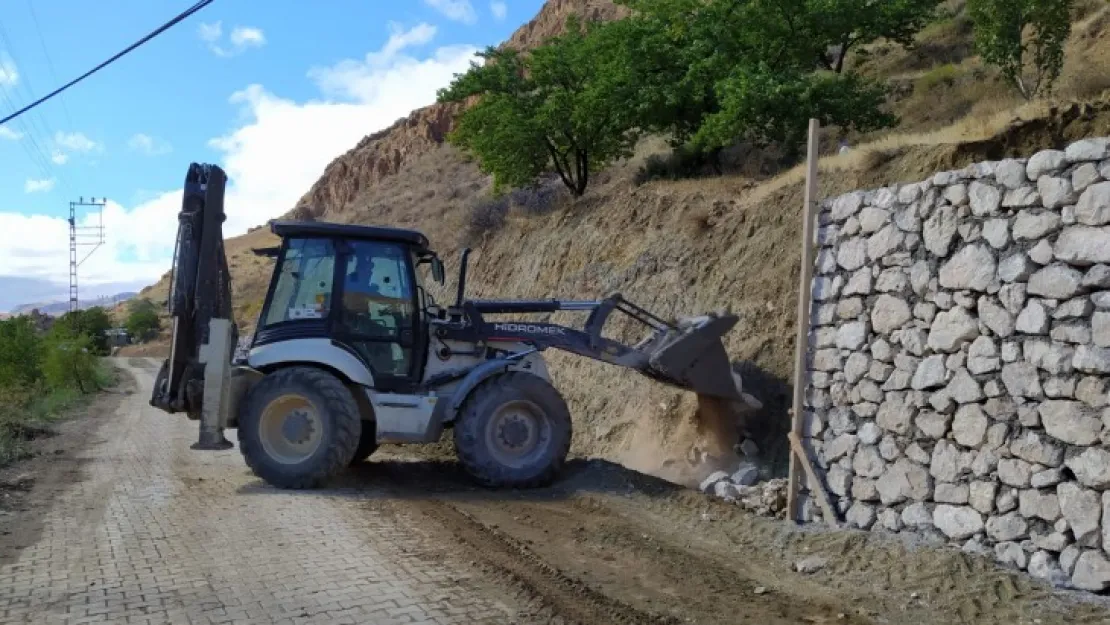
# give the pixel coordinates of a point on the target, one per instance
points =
(960, 360)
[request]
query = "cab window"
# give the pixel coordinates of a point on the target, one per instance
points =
(304, 281)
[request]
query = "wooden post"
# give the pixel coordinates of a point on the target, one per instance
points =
(801, 345)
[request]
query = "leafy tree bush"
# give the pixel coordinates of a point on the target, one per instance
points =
(561, 108)
(707, 73)
(766, 106)
(143, 321)
(70, 362)
(1024, 39)
(717, 71)
(20, 353)
(92, 323)
(41, 374)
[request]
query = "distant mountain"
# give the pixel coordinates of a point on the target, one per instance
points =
(62, 307)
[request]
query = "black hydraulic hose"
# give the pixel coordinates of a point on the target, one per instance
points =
(462, 278)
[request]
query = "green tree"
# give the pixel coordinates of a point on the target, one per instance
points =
(92, 323)
(70, 362)
(836, 27)
(562, 108)
(20, 352)
(718, 71)
(765, 106)
(1024, 39)
(142, 319)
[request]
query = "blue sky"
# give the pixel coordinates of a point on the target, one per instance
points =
(272, 91)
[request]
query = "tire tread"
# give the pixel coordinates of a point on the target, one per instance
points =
(338, 406)
(468, 435)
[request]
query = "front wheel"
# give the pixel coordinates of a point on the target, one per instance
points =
(367, 443)
(514, 430)
(299, 427)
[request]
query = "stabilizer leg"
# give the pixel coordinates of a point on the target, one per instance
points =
(215, 354)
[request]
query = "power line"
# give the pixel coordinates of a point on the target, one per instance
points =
(49, 61)
(32, 123)
(180, 17)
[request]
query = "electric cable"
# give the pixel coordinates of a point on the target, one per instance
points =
(180, 17)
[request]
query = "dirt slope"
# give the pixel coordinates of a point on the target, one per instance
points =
(688, 246)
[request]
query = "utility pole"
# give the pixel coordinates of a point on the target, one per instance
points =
(82, 237)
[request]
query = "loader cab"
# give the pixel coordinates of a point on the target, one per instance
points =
(355, 288)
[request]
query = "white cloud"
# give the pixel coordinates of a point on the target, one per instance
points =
(39, 186)
(279, 150)
(241, 38)
(76, 142)
(59, 157)
(9, 134)
(148, 145)
(9, 75)
(246, 37)
(499, 9)
(210, 33)
(457, 10)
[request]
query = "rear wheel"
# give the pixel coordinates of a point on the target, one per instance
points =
(299, 426)
(513, 430)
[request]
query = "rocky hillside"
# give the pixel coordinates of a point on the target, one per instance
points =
(385, 153)
(694, 245)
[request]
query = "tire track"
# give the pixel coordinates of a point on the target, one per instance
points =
(545, 591)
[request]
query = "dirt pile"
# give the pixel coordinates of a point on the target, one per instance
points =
(684, 447)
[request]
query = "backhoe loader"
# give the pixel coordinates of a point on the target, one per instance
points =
(351, 351)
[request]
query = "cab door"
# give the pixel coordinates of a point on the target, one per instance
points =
(377, 311)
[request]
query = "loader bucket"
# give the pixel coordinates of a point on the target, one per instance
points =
(693, 357)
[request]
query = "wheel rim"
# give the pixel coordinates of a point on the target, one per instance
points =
(518, 433)
(290, 429)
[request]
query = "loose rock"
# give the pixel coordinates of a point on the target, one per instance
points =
(809, 565)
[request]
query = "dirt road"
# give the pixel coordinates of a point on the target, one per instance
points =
(128, 525)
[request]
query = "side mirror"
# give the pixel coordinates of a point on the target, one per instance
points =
(437, 270)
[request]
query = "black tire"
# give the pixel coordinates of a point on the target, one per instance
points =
(335, 411)
(481, 414)
(367, 443)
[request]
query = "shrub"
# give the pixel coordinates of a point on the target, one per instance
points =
(537, 199)
(487, 215)
(142, 319)
(71, 363)
(682, 162)
(20, 353)
(93, 323)
(946, 74)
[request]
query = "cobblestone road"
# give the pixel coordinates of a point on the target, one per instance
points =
(153, 532)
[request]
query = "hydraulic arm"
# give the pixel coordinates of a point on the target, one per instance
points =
(200, 290)
(687, 354)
